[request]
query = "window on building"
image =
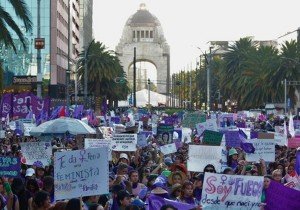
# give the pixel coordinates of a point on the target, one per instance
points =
(151, 34)
(147, 34)
(138, 34)
(142, 34)
(133, 34)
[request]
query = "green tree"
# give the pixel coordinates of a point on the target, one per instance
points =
(7, 23)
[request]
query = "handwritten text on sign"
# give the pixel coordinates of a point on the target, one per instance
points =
(221, 191)
(81, 172)
(200, 156)
(36, 151)
(124, 142)
(95, 143)
(264, 149)
(9, 166)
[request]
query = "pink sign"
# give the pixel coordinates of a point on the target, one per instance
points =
(294, 142)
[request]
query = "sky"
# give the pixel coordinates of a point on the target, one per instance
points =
(190, 24)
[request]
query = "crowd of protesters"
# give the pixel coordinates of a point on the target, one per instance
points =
(136, 176)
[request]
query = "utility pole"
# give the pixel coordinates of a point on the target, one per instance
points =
(38, 57)
(191, 88)
(134, 76)
(285, 108)
(69, 54)
(208, 80)
(149, 93)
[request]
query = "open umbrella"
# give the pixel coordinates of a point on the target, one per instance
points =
(62, 125)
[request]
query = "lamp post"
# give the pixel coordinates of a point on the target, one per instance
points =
(38, 57)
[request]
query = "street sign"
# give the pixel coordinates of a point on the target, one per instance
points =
(39, 43)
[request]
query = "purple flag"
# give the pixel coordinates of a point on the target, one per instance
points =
(233, 138)
(279, 197)
(6, 105)
(156, 202)
(253, 134)
(247, 147)
(297, 167)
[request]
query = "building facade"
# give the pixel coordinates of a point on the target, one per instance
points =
(86, 22)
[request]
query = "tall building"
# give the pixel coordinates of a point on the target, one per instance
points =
(86, 22)
(54, 22)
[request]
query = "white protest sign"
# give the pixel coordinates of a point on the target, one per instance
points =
(264, 149)
(2, 134)
(96, 143)
(222, 191)
(201, 155)
(124, 142)
(168, 149)
(280, 139)
(210, 124)
(81, 172)
(186, 135)
(36, 152)
(140, 128)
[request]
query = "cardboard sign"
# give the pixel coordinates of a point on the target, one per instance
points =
(201, 155)
(36, 152)
(81, 172)
(233, 138)
(263, 135)
(210, 124)
(294, 142)
(264, 149)
(142, 138)
(222, 191)
(280, 139)
(10, 166)
(212, 137)
(165, 134)
(124, 142)
(96, 143)
(168, 149)
(191, 119)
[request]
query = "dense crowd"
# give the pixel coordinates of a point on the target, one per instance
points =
(137, 176)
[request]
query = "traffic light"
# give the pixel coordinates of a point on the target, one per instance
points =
(148, 81)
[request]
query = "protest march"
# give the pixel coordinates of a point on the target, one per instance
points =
(147, 159)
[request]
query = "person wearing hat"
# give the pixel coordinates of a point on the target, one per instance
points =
(123, 159)
(30, 173)
(232, 160)
(175, 191)
(139, 203)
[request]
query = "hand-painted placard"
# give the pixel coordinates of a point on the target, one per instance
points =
(168, 149)
(124, 142)
(96, 143)
(10, 166)
(142, 138)
(201, 155)
(222, 191)
(294, 142)
(81, 173)
(36, 152)
(233, 138)
(212, 137)
(191, 119)
(210, 124)
(264, 149)
(280, 139)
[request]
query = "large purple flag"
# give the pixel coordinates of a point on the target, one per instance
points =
(297, 167)
(279, 197)
(156, 202)
(21, 104)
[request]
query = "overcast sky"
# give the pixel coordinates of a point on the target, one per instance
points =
(192, 23)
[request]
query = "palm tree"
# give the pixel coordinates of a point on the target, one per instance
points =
(7, 23)
(103, 67)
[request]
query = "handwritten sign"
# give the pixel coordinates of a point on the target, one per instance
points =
(168, 149)
(233, 138)
(36, 152)
(201, 155)
(96, 143)
(81, 172)
(124, 142)
(212, 137)
(9, 166)
(222, 191)
(191, 119)
(294, 142)
(210, 124)
(264, 149)
(280, 139)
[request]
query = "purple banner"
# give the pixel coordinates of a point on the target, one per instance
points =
(9, 166)
(20, 105)
(279, 197)
(253, 134)
(233, 138)
(297, 166)
(156, 202)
